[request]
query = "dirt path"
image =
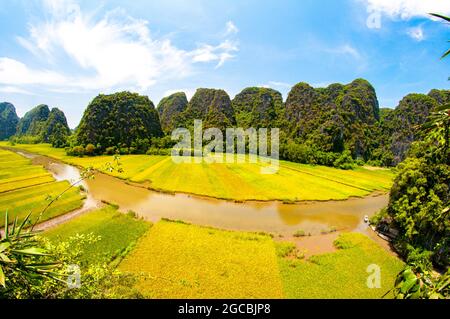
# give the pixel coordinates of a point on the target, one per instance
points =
(63, 218)
(51, 223)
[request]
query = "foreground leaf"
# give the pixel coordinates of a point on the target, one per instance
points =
(2, 277)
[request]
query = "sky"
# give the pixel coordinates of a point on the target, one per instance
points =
(63, 53)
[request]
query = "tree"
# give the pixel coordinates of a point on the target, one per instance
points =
(419, 209)
(59, 136)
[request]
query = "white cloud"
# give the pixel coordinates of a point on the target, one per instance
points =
(114, 51)
(320, 84)
(346, 49)
(416, 33)
(220, 53)
(231, 28)
(14, 90)
(16, 73)
(406, 9)
(276, 84)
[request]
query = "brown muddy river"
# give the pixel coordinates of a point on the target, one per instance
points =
(273, 217)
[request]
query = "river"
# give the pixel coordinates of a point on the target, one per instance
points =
(274, 217)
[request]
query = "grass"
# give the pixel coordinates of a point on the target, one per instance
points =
(341, 274)
(26, 188)
(118, 233)
(178, 260)
(293, 182)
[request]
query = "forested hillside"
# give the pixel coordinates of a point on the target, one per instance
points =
(400, 127)
(120, 120)
(170, 108)
(211, 106)
(8, 120)
(259, 107)
(340, 125)
(334, 119)
(43, 125)
(33, 122)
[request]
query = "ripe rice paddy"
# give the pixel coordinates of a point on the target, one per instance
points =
(26, 188)
(236, 181)
(176, 260)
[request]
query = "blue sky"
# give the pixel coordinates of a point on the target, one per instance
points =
(65, 52)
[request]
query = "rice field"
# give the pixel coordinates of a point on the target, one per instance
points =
(341, 274)
(26, 188)
(236, 181)
(176, 260)
(117, 233)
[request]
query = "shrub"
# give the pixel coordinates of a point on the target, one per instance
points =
(75, 151)
(132, 214)
(162, 142)
(111, 150)
(90, 149)
(26, 139)
(299, 233)
(344, 161)
(124, 151)
(377, 218)
(158, 151)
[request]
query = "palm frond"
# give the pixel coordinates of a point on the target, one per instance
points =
(441, 16)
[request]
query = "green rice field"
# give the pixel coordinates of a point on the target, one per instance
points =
(340, 274)
(117, 233)
(26, 188)
(236, 181)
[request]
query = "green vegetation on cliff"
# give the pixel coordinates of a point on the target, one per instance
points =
(211, 106)
(335, 118)
(340, 126)
(400, 127)
(43, 125)
(8, 120)
(259, 107)
(169, 110)
(33, 122)
(118, 120)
